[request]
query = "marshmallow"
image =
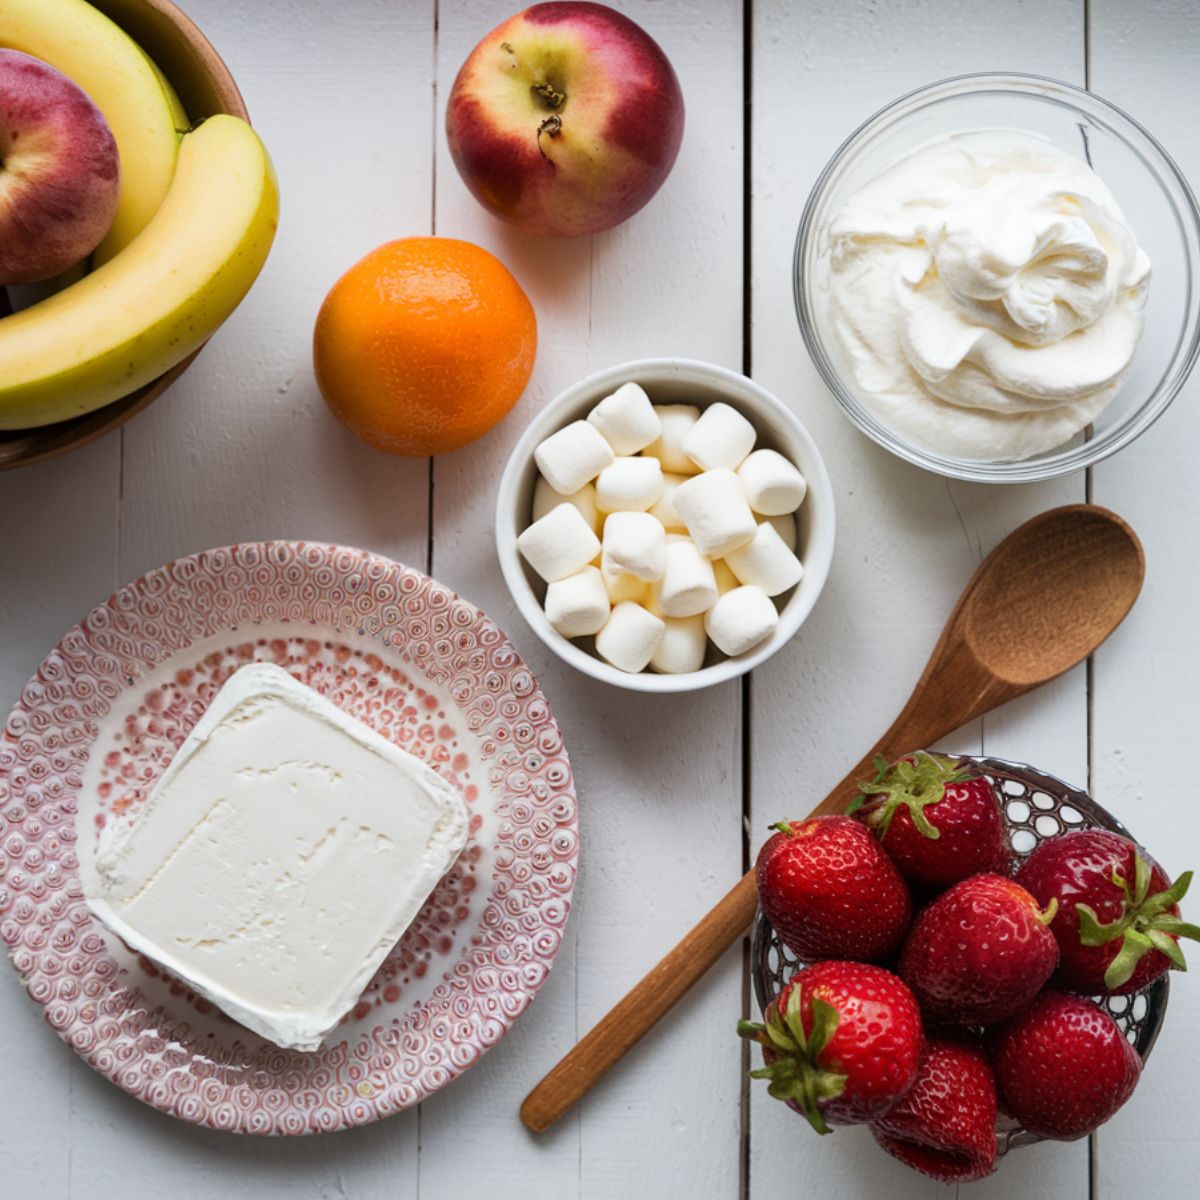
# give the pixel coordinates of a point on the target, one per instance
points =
(664, 507)
(573, 456)
(578, 605)
(545, 498)
(740, 620)
(715, 511)
(688, 586)
(626, 419)
(629, 485)
(560, 544)
(620, 585)
(766, 562)
(726, 579)
(676, 421)
(784, 525)
(722, 437)
(683, 646)
(630, 637)
(773, 486)
(634, 542)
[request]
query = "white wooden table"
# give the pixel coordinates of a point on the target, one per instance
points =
(675, 794)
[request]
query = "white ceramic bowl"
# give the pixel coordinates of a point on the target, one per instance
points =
(670, 381)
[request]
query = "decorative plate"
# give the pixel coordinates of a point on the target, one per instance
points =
(102, 717)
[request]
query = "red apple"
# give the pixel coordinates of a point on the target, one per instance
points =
(566, 119)
(59, 171)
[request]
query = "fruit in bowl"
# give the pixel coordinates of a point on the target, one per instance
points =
(566, 119)
(840, 1043)
(1117, 921)
(160, 298)
(138, 103)
(195, 216)
(1013, 929)
(59, 171)
(937, 818)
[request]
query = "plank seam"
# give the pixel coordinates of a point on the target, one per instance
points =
(429, 495)
(746, 688)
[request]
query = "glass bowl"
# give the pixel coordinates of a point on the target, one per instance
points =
(1036, 807)
(1148, 186)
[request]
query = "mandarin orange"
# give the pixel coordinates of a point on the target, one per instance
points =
(424, 345)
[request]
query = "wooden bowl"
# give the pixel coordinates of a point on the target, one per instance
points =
(206, 87)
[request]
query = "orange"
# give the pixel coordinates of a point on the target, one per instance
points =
(424, 345)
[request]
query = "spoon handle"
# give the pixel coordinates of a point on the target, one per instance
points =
(650, 1000)
(634, 1016)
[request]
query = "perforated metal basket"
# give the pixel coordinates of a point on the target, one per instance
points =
(1036, 807)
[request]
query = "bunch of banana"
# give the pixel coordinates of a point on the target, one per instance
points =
(195, 219)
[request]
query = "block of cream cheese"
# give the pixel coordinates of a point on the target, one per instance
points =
(282, 854)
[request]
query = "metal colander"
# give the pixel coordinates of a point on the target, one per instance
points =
(1036, 807)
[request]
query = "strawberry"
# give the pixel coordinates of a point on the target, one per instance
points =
(979, 953)
(946, 1126)
(840, 1042)
(830, 891)
(1063, 1066)
(937, 817)
(1118, 925)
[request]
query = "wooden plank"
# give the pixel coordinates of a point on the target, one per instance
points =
(243, 447)
(1146, 59)
(57, 550)
(658, 779)
(907, 541)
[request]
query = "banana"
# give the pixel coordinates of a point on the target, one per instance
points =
(82, 43)
(160, 298)
(179, 117)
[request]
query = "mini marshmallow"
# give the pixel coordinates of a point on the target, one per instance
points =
(560, 544)
(714, 509)
(688, 586)
(726, 579)
(630, 637)
(578, 605)
(676, 421)
(740, 620)
(784, 525)
(634, 542)
(629, 485)
(683, 646)
(766, 562)
(772, 484)
(626, 419)
(620, 585)
(545, 498)
(573, 456)
(722, 437)
(664, 507)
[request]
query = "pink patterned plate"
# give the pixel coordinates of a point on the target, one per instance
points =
(102, 717)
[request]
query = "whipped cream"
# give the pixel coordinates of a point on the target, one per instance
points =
(986, 294)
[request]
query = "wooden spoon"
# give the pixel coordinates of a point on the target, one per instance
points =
(1040, 603)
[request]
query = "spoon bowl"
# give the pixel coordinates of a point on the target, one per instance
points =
(1049, 597)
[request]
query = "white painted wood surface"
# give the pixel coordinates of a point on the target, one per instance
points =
(350, 99)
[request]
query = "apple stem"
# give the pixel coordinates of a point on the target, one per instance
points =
(551, 127)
